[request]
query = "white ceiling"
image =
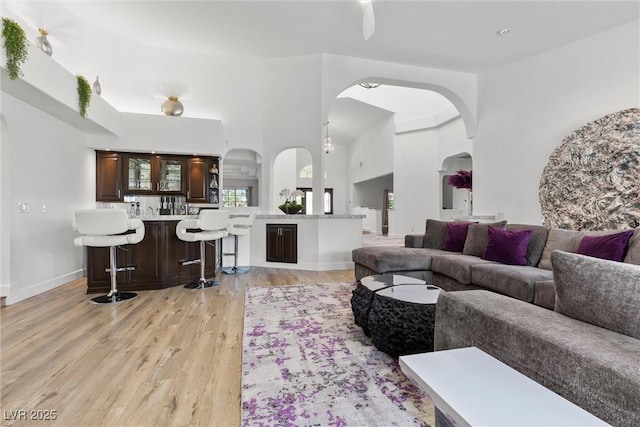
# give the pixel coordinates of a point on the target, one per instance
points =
(456, 35)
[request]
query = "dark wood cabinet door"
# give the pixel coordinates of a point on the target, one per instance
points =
(138, 174)
(108, 177)
(146, 257)
(273, 243)
(289, 237)
(169, 175)
(175, 253)
(197, 180)
(282, 243)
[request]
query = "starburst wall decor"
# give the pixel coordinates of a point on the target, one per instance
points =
(592, 180)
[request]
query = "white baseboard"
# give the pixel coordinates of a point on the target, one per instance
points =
(17, 295)
(308, 266)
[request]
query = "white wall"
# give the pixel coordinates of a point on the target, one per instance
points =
(416, 181)
(291, 118)
(370, 193)
(5, 209)
(526, 108)
(163, 134)
(49, 164)
(371, 155)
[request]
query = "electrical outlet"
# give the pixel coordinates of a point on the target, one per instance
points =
(23, 207)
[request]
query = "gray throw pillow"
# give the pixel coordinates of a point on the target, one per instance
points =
(537, 241)
(600, 292)
(559, 239)
(633, 251)
(435, 234)
(477, 236)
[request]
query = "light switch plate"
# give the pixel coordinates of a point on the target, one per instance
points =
(23, 207)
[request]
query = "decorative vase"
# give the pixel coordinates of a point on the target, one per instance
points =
(172, 107)
(43, 43)
(291, 210)
(97, 89)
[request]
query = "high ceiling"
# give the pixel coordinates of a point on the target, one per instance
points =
(452, 35)
(456, 35)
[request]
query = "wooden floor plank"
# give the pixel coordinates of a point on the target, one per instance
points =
(168, 357)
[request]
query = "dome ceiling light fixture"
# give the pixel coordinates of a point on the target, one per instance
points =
(369, 85)
(328, 145)
(503, 31)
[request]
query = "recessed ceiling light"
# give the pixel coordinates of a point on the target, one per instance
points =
(503, 31)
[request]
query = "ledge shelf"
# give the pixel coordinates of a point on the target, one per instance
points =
(51, 88)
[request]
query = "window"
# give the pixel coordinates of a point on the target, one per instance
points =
(306, 172)
(307, 200)
(236, 197)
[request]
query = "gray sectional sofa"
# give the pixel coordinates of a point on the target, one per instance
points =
(424, 257)
(587, 350)
(568, 321)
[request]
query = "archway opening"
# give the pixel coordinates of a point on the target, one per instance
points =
(455, 202)
(399, 135)
(241, 170)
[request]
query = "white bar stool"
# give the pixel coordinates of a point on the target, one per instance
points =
(109, 228)
(210, 225)
(238, 226)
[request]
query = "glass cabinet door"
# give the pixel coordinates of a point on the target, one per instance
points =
(170, 179)
(139, 174)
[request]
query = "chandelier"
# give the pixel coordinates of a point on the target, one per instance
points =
(328, 145)
(369, 85)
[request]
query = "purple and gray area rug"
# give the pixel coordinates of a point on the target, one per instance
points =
(306, 363)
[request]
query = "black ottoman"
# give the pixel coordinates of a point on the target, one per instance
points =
(362, 295)
(402, 319)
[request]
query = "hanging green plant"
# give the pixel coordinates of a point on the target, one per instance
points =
(84, 94)
(16, 47)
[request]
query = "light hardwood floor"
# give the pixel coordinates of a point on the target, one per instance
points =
(168, 357)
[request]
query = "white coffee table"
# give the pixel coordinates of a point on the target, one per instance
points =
(471, 388)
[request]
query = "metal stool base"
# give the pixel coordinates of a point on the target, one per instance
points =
(111, 298)
(201, 284)
(236, 270)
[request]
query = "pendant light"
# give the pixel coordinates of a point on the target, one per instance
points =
(328, 145)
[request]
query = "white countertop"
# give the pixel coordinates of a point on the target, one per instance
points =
(166, 217)
(299, 216)
(269, 216)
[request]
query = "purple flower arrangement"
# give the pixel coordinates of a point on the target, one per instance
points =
(462, 179)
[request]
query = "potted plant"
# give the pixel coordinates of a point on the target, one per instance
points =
(16, 47)
(84, 95)
(464, 180)
(291, 205)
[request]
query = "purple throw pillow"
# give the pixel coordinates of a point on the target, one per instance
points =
(456, 236)
(507, 246)
(610, 246)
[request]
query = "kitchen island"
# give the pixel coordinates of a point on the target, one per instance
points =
(305, 242)
(157, 258)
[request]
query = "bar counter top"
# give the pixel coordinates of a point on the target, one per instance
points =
(259, 216)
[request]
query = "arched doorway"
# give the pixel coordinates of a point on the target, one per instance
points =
(455, 201)
(394, 138)
(241, 170)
